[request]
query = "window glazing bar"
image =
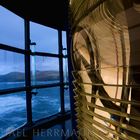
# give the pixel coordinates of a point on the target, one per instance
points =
(12, 90)
(46, 85)
(27, 72)
(45, 54)
(61, 72)
(21, 89)
(12, 49)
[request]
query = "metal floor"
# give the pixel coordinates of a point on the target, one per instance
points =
(61, 131)
(55, 127)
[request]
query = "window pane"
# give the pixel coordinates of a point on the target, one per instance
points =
(12, 112)
(46, 103)
(64, 39)
(65, 69)
(46, 70)
(67, 98)
(11, 29)
(11, 70)
(65, 60)
(46, 38)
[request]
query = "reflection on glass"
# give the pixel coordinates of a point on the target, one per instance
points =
(47, 70)
(11, 29)
(12, 112)
(46, 103)
(46, 38)
(11, 70)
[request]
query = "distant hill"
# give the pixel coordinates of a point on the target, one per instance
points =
(47, 75)
(40, 76)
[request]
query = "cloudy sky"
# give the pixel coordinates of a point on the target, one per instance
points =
(12, 33)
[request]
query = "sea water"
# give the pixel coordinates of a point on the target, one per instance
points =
(13, 106)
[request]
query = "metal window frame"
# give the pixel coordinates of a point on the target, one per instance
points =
(27, 63)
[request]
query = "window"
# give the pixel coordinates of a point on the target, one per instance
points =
(12, 112)
(37, 67)
(45, 70)
(11, 29)
(67, 98)
(46, 102)
(12, 70)
(46, 38)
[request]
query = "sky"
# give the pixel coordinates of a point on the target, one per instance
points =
(12, 33)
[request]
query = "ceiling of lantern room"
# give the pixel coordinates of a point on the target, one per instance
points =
(52, 13)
